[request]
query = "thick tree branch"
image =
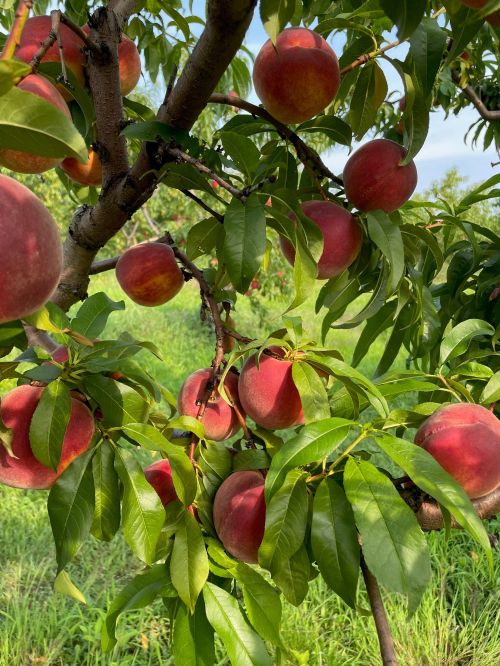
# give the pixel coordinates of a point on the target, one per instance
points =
(124, 193)
(473, 97)
(430, 517)
(386, 642)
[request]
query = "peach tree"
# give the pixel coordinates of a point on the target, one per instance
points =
(282, 461)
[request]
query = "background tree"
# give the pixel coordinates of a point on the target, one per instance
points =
(282, 453)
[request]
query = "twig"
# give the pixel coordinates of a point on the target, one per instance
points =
(386, 642)
(180, 156)
(218, 216)
(47, 42)
(476, 101)
(366, 57)
(14, 37)
(309, 157)
(78, 31)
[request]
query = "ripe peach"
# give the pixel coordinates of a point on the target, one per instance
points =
(493, 19)
(159, 475)
(37, 29)
(298, 77)
(220, 419)
(268, 394)
(374, 179)
(60, 354)
(465, 439)
(24, 471)
(129, 63)
(89, 173)
(149, 274)
(19, 160)
(30, 251)
(342, 237)
(239, 514)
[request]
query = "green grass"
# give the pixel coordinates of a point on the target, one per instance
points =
(456, 624)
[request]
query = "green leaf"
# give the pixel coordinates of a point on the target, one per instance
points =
(49, 422)
(465, 24)
(405, 14)
(426, 46)
(286, 521)
(183, 474)
(203, 237)
(71, 507)
(334, 128)
(334, 540)
(142, 512)
(434, 480)
(245, 240)
(186, 177)
(243, 645)
(458, 339)
(11, 71)
(394, 546)
(32, 124)
(193, 637)
(139, 593)
(292, 576)
(374, 327)
(189, 562)
(262, 602)
(92, 317)
(242, 151)
(107, 515)
(491, 392)
(119, 404)
(314, 442)
(312, 392)
(64, 585)
(387, 237)
(275, 14)
(369, 93)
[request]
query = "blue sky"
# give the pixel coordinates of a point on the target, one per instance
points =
(444, 148)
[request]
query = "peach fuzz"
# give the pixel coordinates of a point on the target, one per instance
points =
(342, 237)
(374, 179)
(24, 471)
(298, 77)
(30, 251)
(37, 29)
(159, 475)
(149, 274)
(267, 392)
(465, 440)
(493, 19)
(20, 160)
(88, 173)
(239, 514)
(220, 419)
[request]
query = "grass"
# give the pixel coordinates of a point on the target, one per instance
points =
(456, 624)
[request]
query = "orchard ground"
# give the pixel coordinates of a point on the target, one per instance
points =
(455, 625)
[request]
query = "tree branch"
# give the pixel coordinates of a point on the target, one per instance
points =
(386, 642)
(218, 216)
(473, 97)
(14, 37)
(430, 517)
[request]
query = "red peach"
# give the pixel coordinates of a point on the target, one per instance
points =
(465, 440)
(19, 160)
(220, 419)
(60, 354)
(239, 514)
(24, 471)
(159, 475)
(374, 179)
(493, 19)
(342, 237)
(267, 392)
(149, 274)
(88, 173)
(298, 77)
(30, 251)
(37, 29)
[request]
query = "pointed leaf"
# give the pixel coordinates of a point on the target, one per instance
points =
(49, 422)
(189, 562)
(107, 515)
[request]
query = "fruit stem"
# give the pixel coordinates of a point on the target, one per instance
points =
(386, 642)
(14, 37)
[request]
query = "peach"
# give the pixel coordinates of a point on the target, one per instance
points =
(36, 30)
(149, 274)
(220, 419)
(267, 392)
(493, 19)
(30, 251)
(239, 514)
(342, 237)
(60, 354)
(24, 471)
(298, 77)
(159, 475)
(88, 173)
(374, 179)
(465, 440)
(129, 63)
(20, 160)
